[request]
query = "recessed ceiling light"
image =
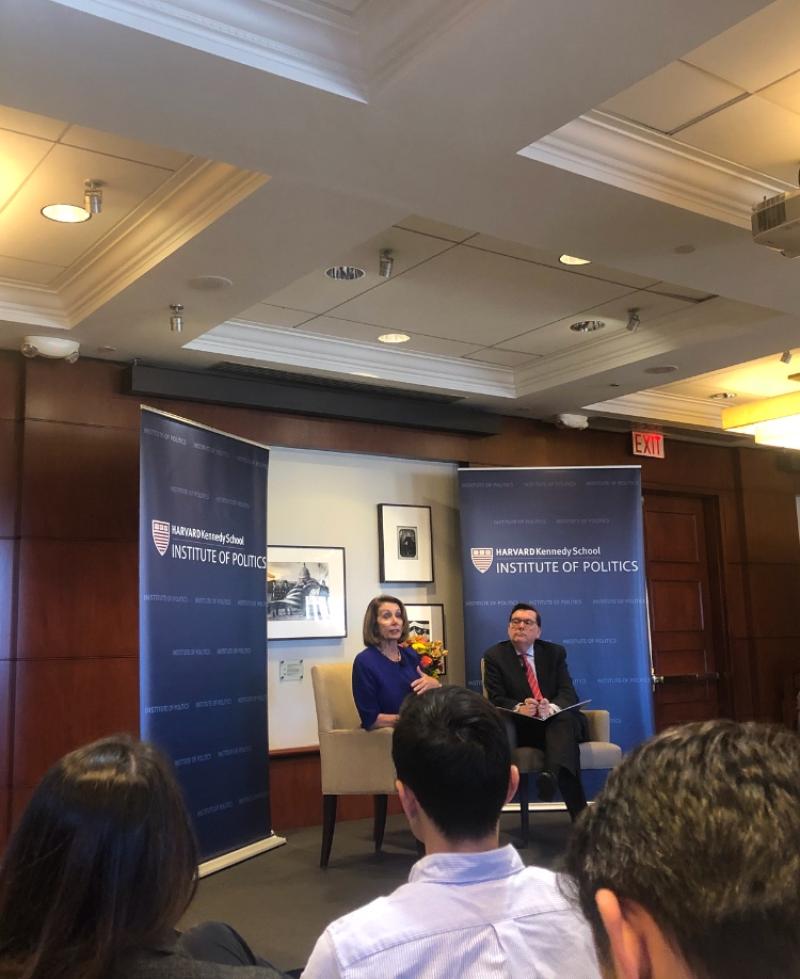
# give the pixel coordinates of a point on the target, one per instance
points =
(722, 396)
(587, 326)
(65, 213)
(683, 249)
(344, 273)
(394, 337)
(210, 283)
(573, 260)
(663, 369)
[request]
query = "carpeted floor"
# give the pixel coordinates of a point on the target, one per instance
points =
(281, 901)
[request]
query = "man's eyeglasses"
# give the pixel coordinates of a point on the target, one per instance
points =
(525, 622)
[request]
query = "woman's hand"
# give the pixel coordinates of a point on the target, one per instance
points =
(424, 682)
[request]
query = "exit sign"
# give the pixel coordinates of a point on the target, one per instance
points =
(648, 444)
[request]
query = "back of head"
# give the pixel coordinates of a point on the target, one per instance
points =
(700, 826)
(103, 861)
(450, 748)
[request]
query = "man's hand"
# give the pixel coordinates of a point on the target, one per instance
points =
(545, 708)
(424, 682)
(528, 707)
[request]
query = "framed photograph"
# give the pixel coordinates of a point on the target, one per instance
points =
(405, 543)
(305, 593)
(427, 621)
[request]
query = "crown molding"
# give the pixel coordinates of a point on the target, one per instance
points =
(193, 198)
(303, 40)
(660, 406)
(611, 150)
(32, 305)
(267, 345)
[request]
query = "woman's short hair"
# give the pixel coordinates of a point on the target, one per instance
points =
(372, 635)
(104, 861)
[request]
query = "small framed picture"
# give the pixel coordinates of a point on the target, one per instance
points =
(405, 543)
(305, 593)
(427, 622)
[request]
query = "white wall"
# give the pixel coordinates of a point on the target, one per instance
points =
(331, 499)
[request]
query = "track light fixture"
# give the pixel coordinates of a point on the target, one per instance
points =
(634, 322)
(786, 357)
(176, 319)
(92, 196)
(386, 263)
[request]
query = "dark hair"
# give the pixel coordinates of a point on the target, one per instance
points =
(528, 608)
(451, 749)
(103, 861)
(372, 636)
(701, 827)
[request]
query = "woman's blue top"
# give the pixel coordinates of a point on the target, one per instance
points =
(380, 686)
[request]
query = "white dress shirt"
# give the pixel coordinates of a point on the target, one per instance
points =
(470, 915)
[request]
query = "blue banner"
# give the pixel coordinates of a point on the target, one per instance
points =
(570, 542)
(202, 622)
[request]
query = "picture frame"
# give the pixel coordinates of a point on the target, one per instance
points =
(432, 617)
(405, 543)
(306, 592)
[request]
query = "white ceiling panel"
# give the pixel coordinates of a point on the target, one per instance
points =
(365, 332)
(558, 337)
(757, 51)
(542, 257)
(785, 93)
(30, 273)
(766, 377)
(127, 149)
(671, 97)
(316, 293)
(274, 315)
(477, 297)
(59, 179)
(753, 132)
(435, 228)
(30, 124)
(20, 155)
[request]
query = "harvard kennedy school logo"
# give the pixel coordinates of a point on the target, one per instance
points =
(482, 558)
(160, 529)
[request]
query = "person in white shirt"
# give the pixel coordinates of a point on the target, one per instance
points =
(688, 863)
(470, 909)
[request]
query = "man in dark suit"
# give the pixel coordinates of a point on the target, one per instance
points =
(529, 675)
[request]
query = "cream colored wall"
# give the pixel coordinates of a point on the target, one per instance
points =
(331, 499)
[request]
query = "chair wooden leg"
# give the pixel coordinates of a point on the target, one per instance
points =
(381, 804)
(328, 826)
(523, 808)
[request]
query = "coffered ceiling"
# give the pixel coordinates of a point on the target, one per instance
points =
(261, 142)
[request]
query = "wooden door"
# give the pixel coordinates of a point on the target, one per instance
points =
(681, 546)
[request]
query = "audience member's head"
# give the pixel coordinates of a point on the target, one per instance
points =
(103, 861)
(452, 757)
(372, 632)
(688, 864)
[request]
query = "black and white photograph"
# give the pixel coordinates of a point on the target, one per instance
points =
(405, 543)
(305, 592)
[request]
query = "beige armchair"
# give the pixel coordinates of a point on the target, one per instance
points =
(352, 761)
(596, 753)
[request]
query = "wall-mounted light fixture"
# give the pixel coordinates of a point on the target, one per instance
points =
(176, 319)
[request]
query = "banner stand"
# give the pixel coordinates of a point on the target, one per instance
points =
(209, 867)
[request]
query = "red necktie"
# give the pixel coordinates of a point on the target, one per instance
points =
(533, 683)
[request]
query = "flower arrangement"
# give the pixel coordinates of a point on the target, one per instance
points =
(431, 654)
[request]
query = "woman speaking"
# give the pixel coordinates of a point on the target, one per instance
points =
(386, 672)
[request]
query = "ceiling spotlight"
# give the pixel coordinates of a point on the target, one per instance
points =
(394, 338)
(176, 319)
(92, 197)
(385, 263)
(65, 213)
(634, 322)
(587, 326)
(573, 260)
(786, 357)
(54, 348)
(344, 273)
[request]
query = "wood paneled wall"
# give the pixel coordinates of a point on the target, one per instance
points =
(68, 555)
